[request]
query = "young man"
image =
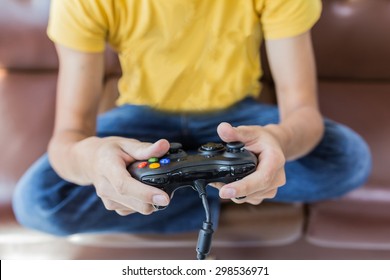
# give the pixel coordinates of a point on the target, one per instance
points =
(191, 74)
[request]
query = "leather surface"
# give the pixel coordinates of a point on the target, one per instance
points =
(26, 121)
(363, 106)
(23, 40)
(361, 223)
(352, 41)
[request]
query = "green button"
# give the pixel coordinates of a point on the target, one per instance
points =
(152, 160)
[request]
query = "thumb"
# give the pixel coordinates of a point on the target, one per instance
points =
(229, 133)
(143, 150)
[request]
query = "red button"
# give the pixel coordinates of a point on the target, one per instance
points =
(142, 164)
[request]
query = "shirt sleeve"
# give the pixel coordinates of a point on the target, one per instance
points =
(78, 24)
(288, 18)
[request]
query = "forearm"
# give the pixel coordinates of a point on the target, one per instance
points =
(301, 125)
(79, 89)
(299, 132)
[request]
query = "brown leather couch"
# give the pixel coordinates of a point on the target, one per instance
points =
(352, 45)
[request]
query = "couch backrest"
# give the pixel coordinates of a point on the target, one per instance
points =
(24, 44)
(352, 47)
(352, 40)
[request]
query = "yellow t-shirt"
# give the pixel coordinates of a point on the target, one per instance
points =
(181, 55)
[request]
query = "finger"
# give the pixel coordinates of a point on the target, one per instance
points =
(124, 212)
(257, 198)
(243, 134)
(129, 193)
(136, 207)
(217, 185)
(244, 187)
(250, 186)
(128, 207)
(112, 205)
(132, 206)
(113, 201)
(142, 150)
(269, 174)
(126, 186)
(137, 195)
(253, 201)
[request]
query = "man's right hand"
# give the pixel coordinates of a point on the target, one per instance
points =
(105, 167)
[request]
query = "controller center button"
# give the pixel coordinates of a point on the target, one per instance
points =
(152, 160)
(210, 147)
(154, 165)
(165, 161)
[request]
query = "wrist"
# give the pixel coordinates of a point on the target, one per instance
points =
(298, 136)
(82, 154)
(71, 157)
(282, 134)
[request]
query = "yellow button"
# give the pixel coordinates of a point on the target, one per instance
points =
(154, 165)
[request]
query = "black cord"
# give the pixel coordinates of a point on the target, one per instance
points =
(206, 232)
(206, 208)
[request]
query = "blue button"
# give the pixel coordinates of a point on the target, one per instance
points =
(165, 161)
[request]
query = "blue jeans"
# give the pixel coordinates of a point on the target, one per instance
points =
(44, 201)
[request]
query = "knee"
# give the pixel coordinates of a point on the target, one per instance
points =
(358, 160)
(25, 205)
(33, 207)
(31, 211)
(339, 164)
(352, 162)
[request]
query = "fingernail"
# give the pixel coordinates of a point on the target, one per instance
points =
(160, 200)
(229, 193)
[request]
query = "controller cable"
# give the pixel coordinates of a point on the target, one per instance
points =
(206, 232)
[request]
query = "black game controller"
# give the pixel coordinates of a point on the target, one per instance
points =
(214, 162)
